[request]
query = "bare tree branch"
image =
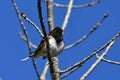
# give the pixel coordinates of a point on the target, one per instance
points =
(69, 72)
(78, 6)
(53, 61)
(56, 73)
(24, 38)
(41, 18)
(50, 14)
(31, 22)
(109, 61)
(77, 65)
(26, 35)
(67, 15)
(89, 33)
(43, 76)
(97, 61)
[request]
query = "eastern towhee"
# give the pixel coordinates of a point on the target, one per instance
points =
(56, 44)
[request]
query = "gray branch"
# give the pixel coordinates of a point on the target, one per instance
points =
(97, 61)
(53, 61)
(31, 22)
(24, 38)
(26, 35)
(65, 22)
(89, 33)
(45, 71)
(77, 65)
(78, 6)
(109, 61)
(50, 14)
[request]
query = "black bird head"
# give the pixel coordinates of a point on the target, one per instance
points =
(57, 34)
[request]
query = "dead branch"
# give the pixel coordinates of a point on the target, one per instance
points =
(65, 22)
(50, 14)
(44, 73)
(24, 38)
(89, 33)
(97, 61)
(31, 22)
(78, 6)
(53, 61)
(26, 35)
(77, 65)
(109, 61)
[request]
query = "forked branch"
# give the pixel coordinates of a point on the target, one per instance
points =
(52, 60)
(77, 65)
(97, 61)
(26, 35)
(25, 39)
(109, 61)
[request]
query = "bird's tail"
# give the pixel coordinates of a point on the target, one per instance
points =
(24, 59)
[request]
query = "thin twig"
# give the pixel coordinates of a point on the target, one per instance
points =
(109, 61)
(89, 33)
(79, 64)
(69, 72)
(97, 61)
(41, 18)
(24, 38)
(31, 22)
(50, 14)
(65, 22)
(43, 76)
(78, 6)
(26, 35)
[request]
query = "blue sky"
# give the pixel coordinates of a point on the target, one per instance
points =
(13, 48)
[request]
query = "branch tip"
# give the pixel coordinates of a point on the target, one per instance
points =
(106, 14)
(23, 15)
(119, 33)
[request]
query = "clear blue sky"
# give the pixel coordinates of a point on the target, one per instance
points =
(12, 48)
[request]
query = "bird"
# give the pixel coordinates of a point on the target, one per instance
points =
(56, 45)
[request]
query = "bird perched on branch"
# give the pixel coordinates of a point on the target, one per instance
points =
(56, 45)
